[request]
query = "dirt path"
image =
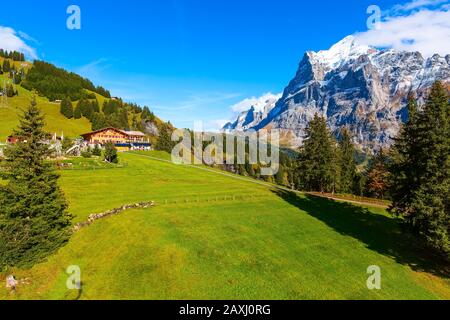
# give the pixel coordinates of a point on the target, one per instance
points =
(359, 202)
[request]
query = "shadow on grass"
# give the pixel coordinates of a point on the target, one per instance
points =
(385, 235)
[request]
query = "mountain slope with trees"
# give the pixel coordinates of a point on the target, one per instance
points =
(72, 104)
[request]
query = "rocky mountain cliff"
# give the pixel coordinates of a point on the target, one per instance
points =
(255, 115)
(356, 86)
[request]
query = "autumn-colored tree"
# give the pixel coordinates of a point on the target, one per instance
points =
(378, 175)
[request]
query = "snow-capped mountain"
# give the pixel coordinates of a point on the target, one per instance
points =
(353, 85)
(259, 110)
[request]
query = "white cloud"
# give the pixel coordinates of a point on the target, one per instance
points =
(257, 103)
(414, 26)
(11, 40)
(417, 4)
(215, 125)
(27, 37)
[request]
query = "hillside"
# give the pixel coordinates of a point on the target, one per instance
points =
(55, 121)
(216, 236)
(61, 81)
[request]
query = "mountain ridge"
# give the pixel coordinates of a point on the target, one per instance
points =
(355, 86)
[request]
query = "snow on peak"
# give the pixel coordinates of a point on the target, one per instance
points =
(341, 52)
(257, 103)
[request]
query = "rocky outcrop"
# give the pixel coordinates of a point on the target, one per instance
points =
(150, 128)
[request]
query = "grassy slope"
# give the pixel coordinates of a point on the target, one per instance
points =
(55, 121)
(214, 237)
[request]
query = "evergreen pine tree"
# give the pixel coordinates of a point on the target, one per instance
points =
(346, 162)
(145, 113)
(66, 108)
(77, 113)
(34, 222)
(164, 142)
(317, 170)
(421, 160)
(86, 108)
(6, 66)
(281, 177)
(123, 119)
(111, 153)
(98, 121)
(405, 167)
(95, 106)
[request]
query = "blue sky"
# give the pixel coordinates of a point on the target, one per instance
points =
(190, 60)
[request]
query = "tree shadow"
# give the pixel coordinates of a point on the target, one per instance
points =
(385, 235)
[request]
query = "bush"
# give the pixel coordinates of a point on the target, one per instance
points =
(111, 153)
(87, 154)
(97, 151)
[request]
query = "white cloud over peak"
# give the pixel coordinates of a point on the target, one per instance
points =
(258, 103)
(12, 41)
(420, 25)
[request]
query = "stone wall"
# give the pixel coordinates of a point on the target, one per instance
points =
(94, 217)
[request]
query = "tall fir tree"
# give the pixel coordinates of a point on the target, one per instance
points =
(85, 108)
(111, 153)
(406, 154)
(34, 221)
(347, 163)
(66, 108)
(164, 142)
(98, 121)
(317, 163)
(77, 112)
(95, 106)
(6, 66)
(145, 113)
(421, 170)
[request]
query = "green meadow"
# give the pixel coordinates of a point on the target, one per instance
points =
(55, 121)
(214, 236)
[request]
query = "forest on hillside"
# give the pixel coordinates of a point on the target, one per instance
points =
(77, 95)
(57, 84)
